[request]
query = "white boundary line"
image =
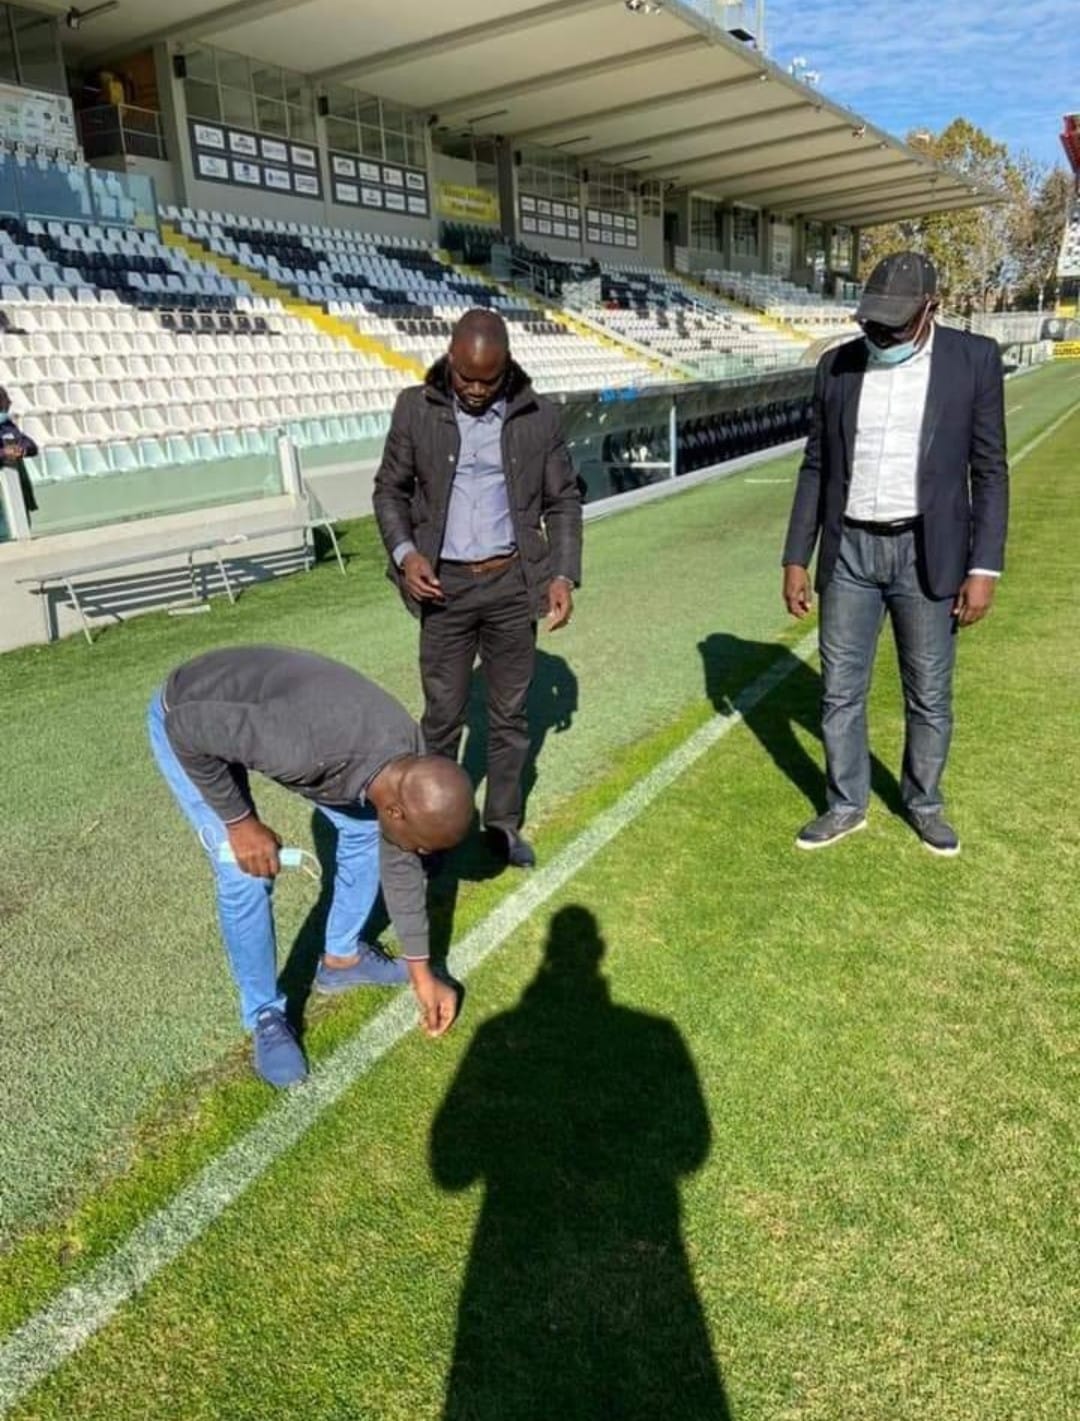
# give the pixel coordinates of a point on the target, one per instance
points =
(35, 1350)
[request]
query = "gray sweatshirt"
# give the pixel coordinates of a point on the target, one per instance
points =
(308, 723)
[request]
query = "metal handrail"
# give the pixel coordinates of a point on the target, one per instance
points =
(110, 129)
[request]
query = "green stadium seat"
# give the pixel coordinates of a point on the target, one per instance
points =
(122, 458)
(90, 460)
(151, 453)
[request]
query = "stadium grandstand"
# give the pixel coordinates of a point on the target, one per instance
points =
(230, 236)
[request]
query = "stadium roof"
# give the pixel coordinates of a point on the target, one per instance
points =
(660, 90)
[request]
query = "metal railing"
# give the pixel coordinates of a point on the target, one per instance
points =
(111, 130)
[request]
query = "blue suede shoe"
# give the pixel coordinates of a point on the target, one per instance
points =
(372, 968)
(278, 1057)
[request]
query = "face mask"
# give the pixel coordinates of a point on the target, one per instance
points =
(890, 354)
(4, 416)
(897, 354)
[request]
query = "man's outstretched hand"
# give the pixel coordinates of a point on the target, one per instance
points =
(437, 1000)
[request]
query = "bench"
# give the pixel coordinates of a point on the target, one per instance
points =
(216, 549)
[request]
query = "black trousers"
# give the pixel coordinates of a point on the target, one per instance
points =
(487, 615)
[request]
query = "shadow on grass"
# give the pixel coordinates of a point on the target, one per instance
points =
(553, 701)
(551, 707)
(578, 1117)
(730, 665)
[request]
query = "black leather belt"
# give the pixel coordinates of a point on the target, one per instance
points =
(899, 525)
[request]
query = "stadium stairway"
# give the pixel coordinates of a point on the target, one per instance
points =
(303, 310)
(708, 294)
(667, 370)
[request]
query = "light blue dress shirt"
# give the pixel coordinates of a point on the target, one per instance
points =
(478, 521)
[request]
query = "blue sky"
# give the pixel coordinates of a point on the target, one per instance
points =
(1013, 69)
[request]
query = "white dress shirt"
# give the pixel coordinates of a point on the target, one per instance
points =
(886, 463)
(888, 434)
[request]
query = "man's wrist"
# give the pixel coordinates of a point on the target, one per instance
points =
(562, 577)
(402, 551)
(982, 572)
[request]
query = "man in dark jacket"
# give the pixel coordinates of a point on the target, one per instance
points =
(480, 510)
(324, 731)
(15, 447)
(905, 479)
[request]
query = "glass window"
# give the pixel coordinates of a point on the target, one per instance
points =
(393, 119)
(8, 69)
(815, 242)
(38, 50)
(298, 91)
(203, 100)
(271, 117)
(371, 142)
(238, 107)
(417, 153)
(745, 231)
(706, 225)
(302, 125)
(201, 65)
(341, 103)
(367, 111)
(233, 70)
(266, 81)
(841, 249)
(342, 135)
(396, 150)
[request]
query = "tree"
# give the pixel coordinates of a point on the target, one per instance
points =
(983, 254)
(1047, 214)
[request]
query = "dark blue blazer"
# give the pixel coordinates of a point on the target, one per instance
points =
(963, 474)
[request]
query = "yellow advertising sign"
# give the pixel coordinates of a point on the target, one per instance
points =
(466, 204)
(1067, 350)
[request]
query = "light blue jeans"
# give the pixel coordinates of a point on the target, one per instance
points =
(244, 903)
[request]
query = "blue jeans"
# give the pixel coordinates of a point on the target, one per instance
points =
(877, 573)
(244, 903)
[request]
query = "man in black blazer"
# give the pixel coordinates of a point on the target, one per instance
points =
(905, 481)
(479, 508)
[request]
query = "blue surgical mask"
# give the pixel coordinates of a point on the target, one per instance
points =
(891, 354)
(5, 416)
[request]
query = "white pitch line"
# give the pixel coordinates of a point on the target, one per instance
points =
(1051, 429)
(47, 1339)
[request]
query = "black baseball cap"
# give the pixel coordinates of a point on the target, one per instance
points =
(896, 289)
